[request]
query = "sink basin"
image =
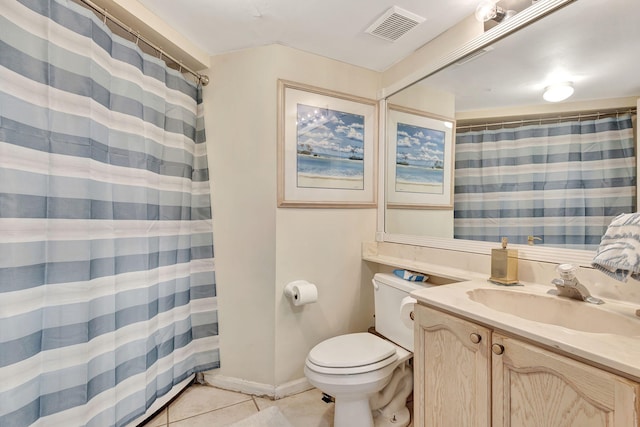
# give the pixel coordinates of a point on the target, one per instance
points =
(559, 311)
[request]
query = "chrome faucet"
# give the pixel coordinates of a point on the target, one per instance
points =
(569, 286)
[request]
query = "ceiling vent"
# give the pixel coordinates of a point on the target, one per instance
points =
(394, 23)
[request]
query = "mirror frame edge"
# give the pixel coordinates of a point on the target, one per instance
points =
(537, 11)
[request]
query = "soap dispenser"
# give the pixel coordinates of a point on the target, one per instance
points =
(504, 265)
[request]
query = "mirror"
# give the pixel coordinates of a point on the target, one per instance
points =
(595, 47)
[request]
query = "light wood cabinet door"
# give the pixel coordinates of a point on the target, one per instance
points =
(452, 371)
(533, 387)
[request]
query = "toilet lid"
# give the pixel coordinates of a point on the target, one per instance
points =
(351, 350)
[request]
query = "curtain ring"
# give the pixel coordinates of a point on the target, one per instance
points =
(137, 37)
(104, 16)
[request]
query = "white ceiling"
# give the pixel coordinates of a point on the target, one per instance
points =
(331, 28)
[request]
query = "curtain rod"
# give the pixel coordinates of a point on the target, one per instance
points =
(574, 116)
(203, 79)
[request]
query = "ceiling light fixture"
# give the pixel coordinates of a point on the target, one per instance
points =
(488, 10)
(558, 92)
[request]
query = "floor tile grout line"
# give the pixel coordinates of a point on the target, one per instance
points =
(187, 416)
(255, 403)
(206, 412)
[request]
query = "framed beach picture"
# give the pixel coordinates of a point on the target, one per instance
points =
(420, 159)
(327, 148)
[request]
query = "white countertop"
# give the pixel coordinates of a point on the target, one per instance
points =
(619, 353)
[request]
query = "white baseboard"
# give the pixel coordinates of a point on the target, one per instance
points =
(292, 387)
(257, 389)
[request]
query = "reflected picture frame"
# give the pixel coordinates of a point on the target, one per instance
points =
(327, 148)
(420, 159)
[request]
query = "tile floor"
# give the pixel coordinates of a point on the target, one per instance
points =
(203, 405)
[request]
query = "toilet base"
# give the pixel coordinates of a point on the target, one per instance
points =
(400, 418)
(353, 413)
(390, 404)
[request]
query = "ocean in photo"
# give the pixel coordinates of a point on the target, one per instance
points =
(330, 172)
(417, 174)
(414, 179)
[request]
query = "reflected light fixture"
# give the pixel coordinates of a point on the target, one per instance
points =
(558, 92)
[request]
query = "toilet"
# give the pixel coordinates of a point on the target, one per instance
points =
(370, 377)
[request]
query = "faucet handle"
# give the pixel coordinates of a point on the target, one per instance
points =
(531, 239)
(567, 271)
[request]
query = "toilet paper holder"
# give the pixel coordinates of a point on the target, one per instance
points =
(293, 291)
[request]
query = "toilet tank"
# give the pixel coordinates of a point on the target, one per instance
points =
(389, 291)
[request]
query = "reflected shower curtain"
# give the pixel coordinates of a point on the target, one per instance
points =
(107, 285)
(564, 181)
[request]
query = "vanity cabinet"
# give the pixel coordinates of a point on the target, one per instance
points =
(468, 375)
(452, 366)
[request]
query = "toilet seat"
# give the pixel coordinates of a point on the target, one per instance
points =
(351, 354)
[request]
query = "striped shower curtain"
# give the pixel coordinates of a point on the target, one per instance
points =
(107, 283)
(562, 183)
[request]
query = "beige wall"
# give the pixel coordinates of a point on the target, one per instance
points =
(259, 248)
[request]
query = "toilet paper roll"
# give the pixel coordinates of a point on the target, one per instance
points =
(406, 311)
(302, 292)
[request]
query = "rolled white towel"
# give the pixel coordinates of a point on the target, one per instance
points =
(618, 255)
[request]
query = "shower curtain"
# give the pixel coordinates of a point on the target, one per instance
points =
(562, 182)
(107, 282)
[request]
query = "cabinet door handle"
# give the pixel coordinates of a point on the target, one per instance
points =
(475, 338)
(497, 349)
